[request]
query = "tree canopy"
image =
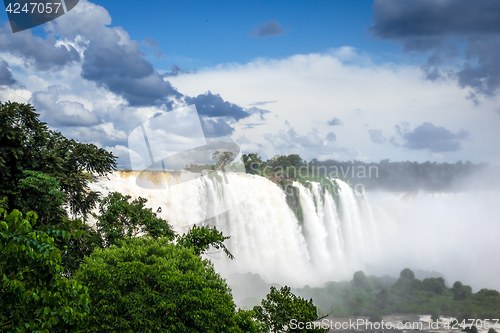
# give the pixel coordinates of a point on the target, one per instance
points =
(148, 285)
(281, 306)
(120, 217)
(27, 144)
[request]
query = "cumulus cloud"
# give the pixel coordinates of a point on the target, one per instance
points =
(216, 127)
(250, 147)
(435, 26)
(429, 136)
(331, 136)
(105, 134)
(62, 113)
(376, 136)
(271, 28)
(37, 53)
(311, 145)
(215, 114)
(212, 105)
(334, 122)
(116, 62)
(6, 77)
(111, 59)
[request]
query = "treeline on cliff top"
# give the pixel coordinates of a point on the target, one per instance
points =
(384, 175)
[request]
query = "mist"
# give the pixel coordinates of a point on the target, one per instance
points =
(333, 234)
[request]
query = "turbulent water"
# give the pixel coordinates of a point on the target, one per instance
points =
(337, 233)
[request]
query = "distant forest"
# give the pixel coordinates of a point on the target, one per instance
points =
(384, 175)
(403, 176)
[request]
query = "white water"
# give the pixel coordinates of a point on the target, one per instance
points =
(266, 236)
(339, 234)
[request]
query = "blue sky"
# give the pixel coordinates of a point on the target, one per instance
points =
(203, 33)
(405, 80)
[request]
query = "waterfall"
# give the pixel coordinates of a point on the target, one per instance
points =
(333, 238)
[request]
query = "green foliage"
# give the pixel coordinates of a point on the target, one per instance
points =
(201, 238)
(41, 193)
(119, 218)
(435, 285)
(280, 307)
(359, 280)
(375, 318)
(245, 319)
(460, 291)
(222, 158)
(151, 285)
(284, 162)
(34, 295)
(435, 315)
(382, 298)
(27, 144)
(407, 274)
(468, 313)
(253, 164)
(76, 248)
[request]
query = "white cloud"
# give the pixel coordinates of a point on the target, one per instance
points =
(312, 89)
(14, 95)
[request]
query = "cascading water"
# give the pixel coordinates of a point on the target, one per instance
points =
(335, 236)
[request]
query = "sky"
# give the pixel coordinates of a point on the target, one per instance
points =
(345, 80)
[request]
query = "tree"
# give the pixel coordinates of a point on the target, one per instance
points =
(201, 238)
(407, 274)
(253, 164)
(27, 144)
(359, 280)
(460, 291)
(34, 294)
(435, 315)
(403, 285)
(382, 298)
(119, 218)
(281, 306)
(245, 319)
(152, 285)
(435, 285)
(222, 158)
(42, 194)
